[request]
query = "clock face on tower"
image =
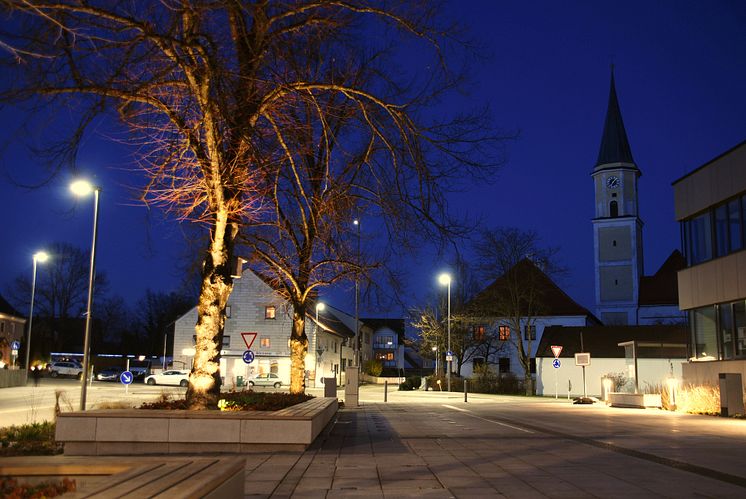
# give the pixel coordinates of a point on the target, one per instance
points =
(612, 182)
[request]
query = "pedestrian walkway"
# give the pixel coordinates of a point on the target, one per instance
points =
(406, 450)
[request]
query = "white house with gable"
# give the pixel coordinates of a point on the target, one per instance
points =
(259, 319)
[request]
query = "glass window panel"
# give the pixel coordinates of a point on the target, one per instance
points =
(685, 246)
(704, 333)
(734, 225)
(726, 330)
(721, 230)
(739, 316)
(701, 238)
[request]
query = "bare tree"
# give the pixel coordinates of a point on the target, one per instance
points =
(212, 93)
(517, 297)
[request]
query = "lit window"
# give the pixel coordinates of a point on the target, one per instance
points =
(504, 333)
(269, 312)
(264, 342)
(479, 333)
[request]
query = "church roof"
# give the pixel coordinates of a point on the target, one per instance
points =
(662, 287)
(552, 300)
(614, 144)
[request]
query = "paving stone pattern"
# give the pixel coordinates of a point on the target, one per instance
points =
(397, 450)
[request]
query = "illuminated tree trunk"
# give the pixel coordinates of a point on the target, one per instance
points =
(217, 284)
(298, 350)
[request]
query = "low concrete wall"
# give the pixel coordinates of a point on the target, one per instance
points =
(706, 372)
(378, 380)
(139, 431)
(12, 377)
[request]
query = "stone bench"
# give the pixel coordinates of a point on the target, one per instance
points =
(638, 400)
(142, 477)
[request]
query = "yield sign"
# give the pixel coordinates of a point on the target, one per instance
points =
(248, 338)
(556, 350)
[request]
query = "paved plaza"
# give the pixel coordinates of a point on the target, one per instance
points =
(433, 444)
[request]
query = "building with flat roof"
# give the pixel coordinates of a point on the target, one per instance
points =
(710, 205)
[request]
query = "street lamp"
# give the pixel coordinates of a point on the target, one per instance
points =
(40, 257)
(445, 280)
(319, 307)
(82, 188)
(356, 350)
(435, 352)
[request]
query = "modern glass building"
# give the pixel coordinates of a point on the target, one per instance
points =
(710, 204)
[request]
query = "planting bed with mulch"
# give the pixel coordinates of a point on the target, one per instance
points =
(247, 400)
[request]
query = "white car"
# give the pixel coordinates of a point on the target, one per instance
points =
(175, 377)
(65, 369)
(266, 379)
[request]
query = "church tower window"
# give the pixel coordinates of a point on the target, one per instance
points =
(613, 209)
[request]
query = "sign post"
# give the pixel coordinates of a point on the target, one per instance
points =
(556, 350)
(583, 359)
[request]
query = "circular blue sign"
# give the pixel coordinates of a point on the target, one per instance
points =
(126, 378)
(556, 363)
(248, 356)
(15, 345)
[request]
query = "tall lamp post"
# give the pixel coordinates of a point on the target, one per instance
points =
(356, 350)
(82, 188)
(40, 257)
(435, 352)
(319, 307)
(445, 280)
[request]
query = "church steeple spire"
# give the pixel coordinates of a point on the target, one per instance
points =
(614, 144)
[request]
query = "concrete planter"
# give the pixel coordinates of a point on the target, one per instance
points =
(137, 431)
(639, 400)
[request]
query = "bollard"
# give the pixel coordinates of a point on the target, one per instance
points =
(385, 390)
(466, 391)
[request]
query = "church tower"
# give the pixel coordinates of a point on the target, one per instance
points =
(617, 227)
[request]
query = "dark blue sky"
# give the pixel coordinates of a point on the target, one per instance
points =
(681, 80)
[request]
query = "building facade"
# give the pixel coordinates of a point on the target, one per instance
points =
(260, 320)
(710, 205)
(11, 330)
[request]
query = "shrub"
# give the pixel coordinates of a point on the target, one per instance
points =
(411, 383)
(374, 367)
(241, 401)
(618, 381)
(486, 380)
(698, 399)
(36, 439)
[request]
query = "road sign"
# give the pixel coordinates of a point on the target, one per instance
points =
(556, 350)
(556, 363)
(248, 356)
(126, 378)
(582, 359)
(449, 356)
(249, 338)
(15, 345)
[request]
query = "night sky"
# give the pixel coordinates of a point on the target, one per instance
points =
(681, 81)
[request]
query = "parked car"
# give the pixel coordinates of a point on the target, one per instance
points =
(266, 379)
(109, 374)
(176, 377)
(66, 368)
(139, 373)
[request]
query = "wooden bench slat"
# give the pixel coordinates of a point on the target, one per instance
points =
(211, 478)
(116, 480)
(182, 471)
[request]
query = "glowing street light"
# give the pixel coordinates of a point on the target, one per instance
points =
(82, 188)
(445, 280)
(319, 308)
(356, 350)
(39, 257)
